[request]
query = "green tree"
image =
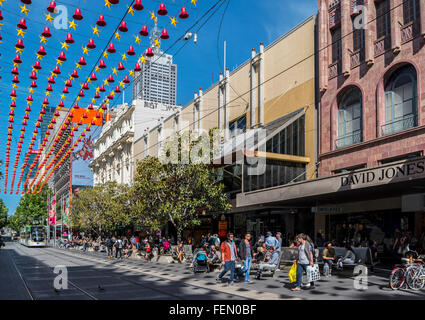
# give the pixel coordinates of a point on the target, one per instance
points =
(177, 193)
(3, 214)
(103, 208)
(31, 207)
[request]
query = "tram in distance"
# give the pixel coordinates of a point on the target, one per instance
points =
(33, 236)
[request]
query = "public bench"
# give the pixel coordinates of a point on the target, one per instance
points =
(363, 257)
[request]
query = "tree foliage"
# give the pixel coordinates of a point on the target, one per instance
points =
(177, 193)
(31, 207)
(103, 208)
(3, 214)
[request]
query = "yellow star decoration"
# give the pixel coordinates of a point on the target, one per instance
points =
(97, 69)
(153, 15)
(112, 93)
(43, 39)
(34, 69)
(142, 59)
(40, 57)
(157, 43)
(49, 18)
(14, 86)
(85, 50)
(194, 2)
(88, 80)
(108, 4)
(72, 24)
(97, 89)
(107, 101)
(13, 98)
(65, 45)
(48, 93)
(117, 36)
(105, 54)
(63, 96)
(18, 50)
(131, 73)
(31, 90)
(105, 82)
(174, 21)
(122, 84)
(77, 66)
(78, 98)
(130, 10)
(24, 9)
(124, 57)
(53, 74)
(93, 100)
(1, 2)
(137, 39)
(114, 71)
(59, 62)
(20, 32)
(95, 30)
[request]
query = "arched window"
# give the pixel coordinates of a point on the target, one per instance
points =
(400, 101)
(350, 118)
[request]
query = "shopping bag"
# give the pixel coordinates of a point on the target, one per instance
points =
(313, 273)
(293, 273)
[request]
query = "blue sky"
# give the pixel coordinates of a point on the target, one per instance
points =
(246, 23)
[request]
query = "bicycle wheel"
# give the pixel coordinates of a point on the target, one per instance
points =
(397, 278)
(413, 277)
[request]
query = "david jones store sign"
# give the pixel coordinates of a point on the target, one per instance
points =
(384, 175)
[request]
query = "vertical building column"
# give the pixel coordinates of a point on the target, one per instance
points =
(369, 35)
(261, 87)
(252, 88)
(220, 103)
(345, 38)
(422, 13)
(226, 104)
(200, 110)
(195, 113)
(396, 17)
(323, 31)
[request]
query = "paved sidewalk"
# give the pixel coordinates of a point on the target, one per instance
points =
(339, 286)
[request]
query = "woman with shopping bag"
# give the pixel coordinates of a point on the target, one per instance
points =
(305, 259)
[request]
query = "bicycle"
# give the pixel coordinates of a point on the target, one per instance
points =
(415, 278)
(400, 273)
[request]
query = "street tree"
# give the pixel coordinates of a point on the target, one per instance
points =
(3, 214)
(103, 208)
(177, 193)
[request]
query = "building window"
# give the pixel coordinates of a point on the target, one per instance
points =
(350, 118)
(382, 19)
(358, 39)
(237, 126)
(406, 157)
(410, 10)
(350, 169)
(290, 140)
(400, 101)
(336, 45)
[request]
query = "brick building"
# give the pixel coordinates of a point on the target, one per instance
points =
(372, 112)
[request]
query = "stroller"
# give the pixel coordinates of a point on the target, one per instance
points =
(200, 262)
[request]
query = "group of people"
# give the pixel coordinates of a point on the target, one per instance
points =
(265, 253)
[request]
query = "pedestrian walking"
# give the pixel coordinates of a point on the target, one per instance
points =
(109, 245)
(305, 259)
(228, 258)
(118, 248)
(246, 253)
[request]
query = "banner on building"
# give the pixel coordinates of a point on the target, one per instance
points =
(65, 217)
(52, 211)
(81, 158)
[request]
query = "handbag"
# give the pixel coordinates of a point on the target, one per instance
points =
(313, 273)
(293, 273)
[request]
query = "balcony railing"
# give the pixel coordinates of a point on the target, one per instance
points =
(349, 139)
(403, 123)
(409, 31)
(357, 58)
(382, 45)
(335, 69)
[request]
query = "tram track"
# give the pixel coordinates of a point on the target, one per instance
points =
(21, 277)
(77, 260)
